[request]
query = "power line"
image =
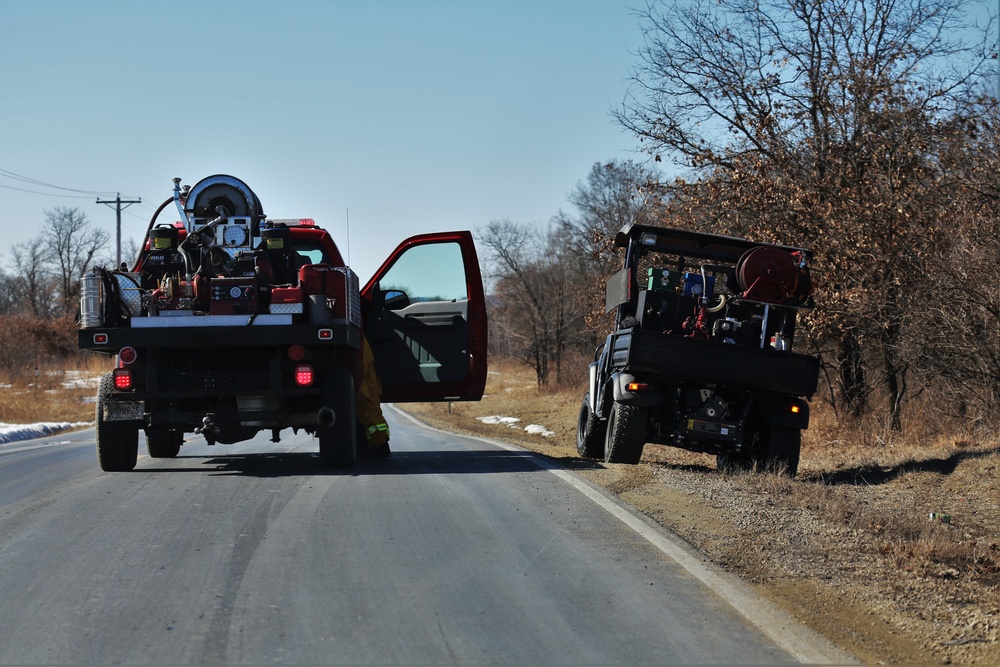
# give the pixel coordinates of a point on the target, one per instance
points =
(47, 194)
(34, 181)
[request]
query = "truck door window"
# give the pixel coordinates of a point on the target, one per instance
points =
(433, 272)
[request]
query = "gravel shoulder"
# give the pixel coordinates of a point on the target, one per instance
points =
(848, 547)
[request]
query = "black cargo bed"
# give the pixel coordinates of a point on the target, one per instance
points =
(700, 360)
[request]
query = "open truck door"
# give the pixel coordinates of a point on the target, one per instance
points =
(426, 320)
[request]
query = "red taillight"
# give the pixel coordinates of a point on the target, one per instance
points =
(304, 375)
(100, 339)
(127, 355)
(123, 379)
(296, 352)
(325, 334)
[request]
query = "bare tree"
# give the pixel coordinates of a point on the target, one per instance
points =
(614, 194)
(818, 122)
(8, 294)
(535, 313)
(33, 278)
(72, 244)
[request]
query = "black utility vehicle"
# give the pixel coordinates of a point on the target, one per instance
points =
(701, 354)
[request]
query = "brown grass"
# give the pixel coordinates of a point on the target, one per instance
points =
(51, 395)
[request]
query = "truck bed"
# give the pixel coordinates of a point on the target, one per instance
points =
(700, 360)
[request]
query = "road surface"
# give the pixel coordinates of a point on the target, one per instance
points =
(455, 551)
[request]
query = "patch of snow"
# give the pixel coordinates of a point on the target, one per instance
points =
(511, 422)
(80, 380)
(496, 419)
(17, 432)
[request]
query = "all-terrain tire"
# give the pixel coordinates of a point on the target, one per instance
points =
(626, 433)
(779, 449)
(732, 461)
(163, 444)
(590, 432)
(117, 442)
(338, 442)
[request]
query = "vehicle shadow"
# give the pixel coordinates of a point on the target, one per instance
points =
(303, 464)
(875, 475)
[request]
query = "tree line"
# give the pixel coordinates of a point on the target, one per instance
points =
(867, 131)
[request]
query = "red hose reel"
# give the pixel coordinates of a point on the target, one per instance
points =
(771, 275)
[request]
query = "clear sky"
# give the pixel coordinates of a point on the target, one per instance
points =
(397, 116)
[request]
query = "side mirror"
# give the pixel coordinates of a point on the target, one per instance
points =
(395, 299)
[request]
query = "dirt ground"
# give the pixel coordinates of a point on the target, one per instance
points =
(891, 553)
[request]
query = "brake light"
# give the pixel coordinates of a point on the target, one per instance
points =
(127, 355)
(304, 375)
(123, 379)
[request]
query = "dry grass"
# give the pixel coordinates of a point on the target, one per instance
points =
(49, 394)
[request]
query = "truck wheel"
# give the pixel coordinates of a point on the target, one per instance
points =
(626, 433)
(780, 447)
(164, 444)
(337, 442)
(733, 462)
(590, 432)
(117, 442)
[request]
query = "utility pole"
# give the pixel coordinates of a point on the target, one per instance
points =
(118, 201)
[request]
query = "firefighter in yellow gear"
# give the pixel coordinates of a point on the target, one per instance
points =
(369, 408)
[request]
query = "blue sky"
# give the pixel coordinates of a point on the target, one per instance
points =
(401, 117)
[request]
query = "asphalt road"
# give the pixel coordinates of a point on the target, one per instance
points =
(455, 551)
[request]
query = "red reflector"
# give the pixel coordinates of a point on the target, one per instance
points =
(100, 339)
(127, 355)
(296, 352)
(304, 375)
(123, 379)
(638, 386)
(325, 334)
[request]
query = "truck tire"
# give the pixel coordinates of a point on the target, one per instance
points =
(338, 441)
(163, 444)
(732, 461)
(117, 442)
(779, 449)
(590, 432)
(626, 433)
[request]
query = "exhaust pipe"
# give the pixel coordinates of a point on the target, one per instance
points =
(326, 417)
